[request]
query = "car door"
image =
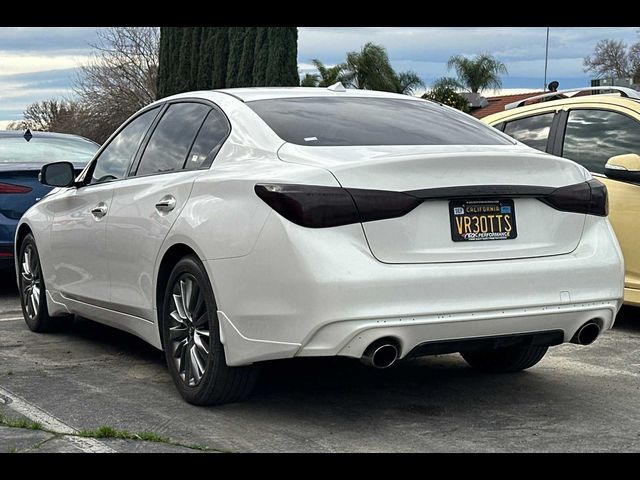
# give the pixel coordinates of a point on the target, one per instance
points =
(148, 202)
(78, 242)
(592, 135)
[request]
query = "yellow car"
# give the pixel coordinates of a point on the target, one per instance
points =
(600, 132)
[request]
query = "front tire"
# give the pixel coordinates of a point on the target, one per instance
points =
(505, 360)
(33, 297)
(191, 340)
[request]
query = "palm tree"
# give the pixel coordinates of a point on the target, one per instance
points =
(479, 73)
(370, 69)
(407, 82)
(310, 80)
(331, 75)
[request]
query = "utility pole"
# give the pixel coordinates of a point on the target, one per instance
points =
(546, 57)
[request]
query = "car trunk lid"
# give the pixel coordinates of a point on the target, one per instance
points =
(426, 234)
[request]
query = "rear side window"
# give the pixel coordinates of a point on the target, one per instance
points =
(532, 131)
(210, 137)
(327, 121)
(594, 136)
(171, 140)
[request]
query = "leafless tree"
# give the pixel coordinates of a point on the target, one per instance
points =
(50, 116)
(613, 58)
(119, 79)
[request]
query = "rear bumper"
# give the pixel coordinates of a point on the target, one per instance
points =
(319, 292)
(632, 296)
(7, 236)
(6, 255)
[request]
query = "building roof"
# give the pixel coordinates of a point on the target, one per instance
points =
(497, 104)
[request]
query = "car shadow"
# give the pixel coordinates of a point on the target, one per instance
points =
(628, 319)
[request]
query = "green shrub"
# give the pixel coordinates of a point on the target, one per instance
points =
(448, 96)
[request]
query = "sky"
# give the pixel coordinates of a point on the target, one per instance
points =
(38, 63)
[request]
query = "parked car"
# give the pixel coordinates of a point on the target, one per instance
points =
(22, 154)
(236, 226)
(602, 133)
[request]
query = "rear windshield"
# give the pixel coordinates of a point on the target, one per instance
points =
(46, 149)
(323, 121)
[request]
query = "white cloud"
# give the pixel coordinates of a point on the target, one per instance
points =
(12, 63)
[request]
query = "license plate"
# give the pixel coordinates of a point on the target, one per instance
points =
(480, 220)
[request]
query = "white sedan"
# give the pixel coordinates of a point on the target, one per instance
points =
(236, 226)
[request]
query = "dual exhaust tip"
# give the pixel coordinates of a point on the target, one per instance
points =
(384, 353)
(381, 354)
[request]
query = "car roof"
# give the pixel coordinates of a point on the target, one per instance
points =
(39, 134)
(267, 93)
(602, 99)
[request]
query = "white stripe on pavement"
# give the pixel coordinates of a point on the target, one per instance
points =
(13, 319)
(51, 423)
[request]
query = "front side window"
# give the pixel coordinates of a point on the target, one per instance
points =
(346, 121)
(532, 131)
(594, 136)
(114, 160)
(172, 139)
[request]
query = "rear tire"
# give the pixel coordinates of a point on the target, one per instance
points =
(33, 296)
(191, 340)
(505, 360)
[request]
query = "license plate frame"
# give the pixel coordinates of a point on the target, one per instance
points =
(489, 220)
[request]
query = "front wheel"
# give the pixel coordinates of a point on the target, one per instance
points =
(191, 340)
(32, 290)
(505, 360)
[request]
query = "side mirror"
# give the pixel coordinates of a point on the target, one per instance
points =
(58, 174)
(624, 167)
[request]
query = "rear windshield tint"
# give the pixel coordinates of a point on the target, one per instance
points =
(345, 121)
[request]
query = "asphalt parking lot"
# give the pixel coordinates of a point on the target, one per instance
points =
(91, 376)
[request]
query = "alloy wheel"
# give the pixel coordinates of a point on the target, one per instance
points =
(189, 330)
(31, 281)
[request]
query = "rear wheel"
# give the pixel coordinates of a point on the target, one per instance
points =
(32, 290)
(505, 360)
(195, 355)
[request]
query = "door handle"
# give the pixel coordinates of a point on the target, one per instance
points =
(166, 204)
(99, 211)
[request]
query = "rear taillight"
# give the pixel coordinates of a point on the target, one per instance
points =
(318, 207)
(315, 206)
(587, 197)
(9, 188)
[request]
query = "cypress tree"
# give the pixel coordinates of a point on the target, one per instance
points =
(196, 37)
(164, 64)
(236, 43)
(245, 69)
(205, 63)
(282, 66)
(174, 59)
(220, 57)
(183, 71)
(261, 57)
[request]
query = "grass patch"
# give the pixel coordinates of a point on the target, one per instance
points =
(12, 450)
(106, 431)
(19, 423)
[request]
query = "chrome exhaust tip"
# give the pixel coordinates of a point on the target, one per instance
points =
(587, 334)
(381, 354)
